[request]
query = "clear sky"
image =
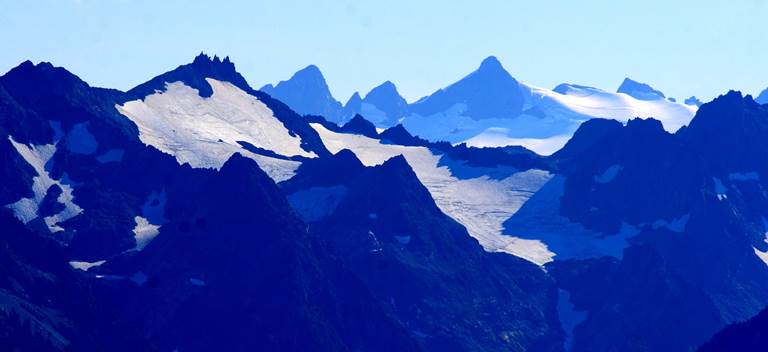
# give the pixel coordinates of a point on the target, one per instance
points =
(680, 47)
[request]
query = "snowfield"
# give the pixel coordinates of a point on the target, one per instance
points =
(481, 203)
(548, 119)
(204, 132)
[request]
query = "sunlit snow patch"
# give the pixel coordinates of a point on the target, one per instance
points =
(760, 254)
(26, 209)
(204, 132)
(499, 137)
(84, 266)
(144, 232)
(152, 217)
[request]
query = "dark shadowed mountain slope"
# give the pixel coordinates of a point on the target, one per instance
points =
(694, 202)
(431, 275)
(747, 336)
(107, 199)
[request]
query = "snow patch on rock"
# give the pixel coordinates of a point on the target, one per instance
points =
(26, 209)
(204, 132)
(84, 266)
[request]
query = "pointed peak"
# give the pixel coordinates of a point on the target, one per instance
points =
(201, 58)
(388, 84)
(28, 72)
(354, 98)
(639, 90)
(359, 125)
(387, 88)
(491, 62)
(194, 75)
(397, 164)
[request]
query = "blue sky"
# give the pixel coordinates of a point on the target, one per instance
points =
(683, 47)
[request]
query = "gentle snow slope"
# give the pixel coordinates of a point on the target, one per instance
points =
(204, 131)
(548, 118)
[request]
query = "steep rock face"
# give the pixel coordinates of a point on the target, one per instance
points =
(307, 93)
(638, 173)
(47, 306)
(742, 336)
(730, 131)
(432, 276)
(690, 197)
(235, 269)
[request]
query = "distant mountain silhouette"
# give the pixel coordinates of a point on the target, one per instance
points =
(307, 93)
(639, 90)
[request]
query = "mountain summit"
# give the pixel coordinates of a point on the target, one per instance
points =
(488, 92)
(639, 90)
(383, 105)
(307, 93)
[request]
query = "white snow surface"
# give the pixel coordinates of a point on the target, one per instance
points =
(548, 119)
(760, 254)
(84, 266)
(204, 131)
(499, 137)
(477, 201)
(26, 209)
(580, 103)
(144, 232)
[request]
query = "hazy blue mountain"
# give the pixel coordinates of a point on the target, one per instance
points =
(383, 105)
(762, 98)
(639, 90)
(307, 93)
(488, 92)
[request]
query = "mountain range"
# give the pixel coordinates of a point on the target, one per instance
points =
(194, 212)
(489, 107)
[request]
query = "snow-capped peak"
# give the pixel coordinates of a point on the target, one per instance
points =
(639, 90)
